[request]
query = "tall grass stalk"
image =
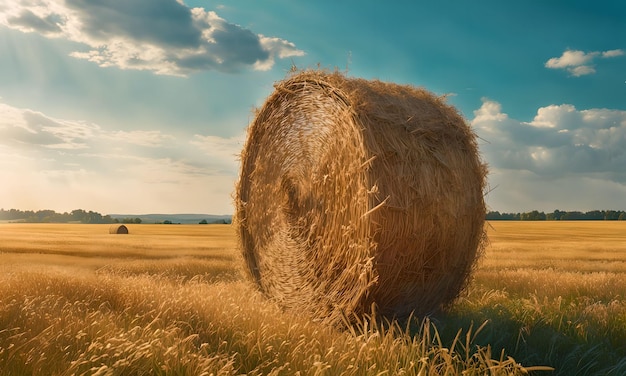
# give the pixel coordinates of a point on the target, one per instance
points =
(63, 324)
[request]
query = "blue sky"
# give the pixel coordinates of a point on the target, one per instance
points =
(141, 106)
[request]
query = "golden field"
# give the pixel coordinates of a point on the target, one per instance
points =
(172, 300)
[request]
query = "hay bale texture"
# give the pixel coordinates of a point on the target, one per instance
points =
(356, 194)
(118, 229)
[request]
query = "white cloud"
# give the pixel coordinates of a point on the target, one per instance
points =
(562, 147)
(612, 53)
(282, 49)
(581, 70)
(561, 144)
(560, 140)
(571, 58)
(552, 116)
(578, 63)
(163, 36)
(23, 126)
(67, 164)
(489, 111)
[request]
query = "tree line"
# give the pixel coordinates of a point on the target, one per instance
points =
(50, 216)
(82, 216)
(559, 215)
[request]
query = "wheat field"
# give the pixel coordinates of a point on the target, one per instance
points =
(172, 300)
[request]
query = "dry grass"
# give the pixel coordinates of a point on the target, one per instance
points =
(170, 300)
(92, 244)
(577, 246)
(555, 293)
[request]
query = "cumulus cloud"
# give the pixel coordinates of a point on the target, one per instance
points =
(163, 36)
(571, 58)
(563, 158)
(29, 21)
(47, 161)
(613, 53)
(579, 63)
(560, 140)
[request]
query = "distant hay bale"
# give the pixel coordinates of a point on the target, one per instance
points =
(118, 229)
(356, 193)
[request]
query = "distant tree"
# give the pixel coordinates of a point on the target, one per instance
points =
(167, 222)
(44, 216)
(533, 216)
(594, 215)
(137, 220)
(573, 215)
(12, 214)
(92, 217)
(555, 215)
(611, 215)
(622, 216)
(203, 222)
(496, 215)
(511, 216)
(78, 215)
(107, 219)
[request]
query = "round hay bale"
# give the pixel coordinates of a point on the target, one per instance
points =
(357, 194)
(118, 229)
